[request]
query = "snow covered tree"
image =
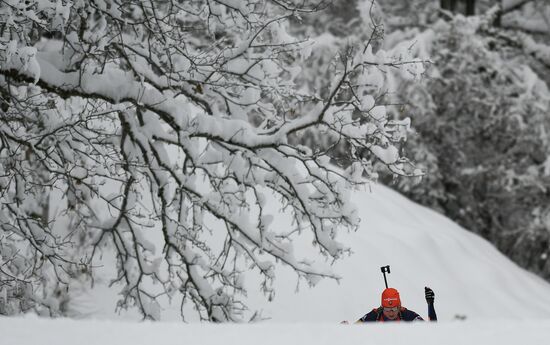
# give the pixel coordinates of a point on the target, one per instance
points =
(351, 23)
(159, 131)
(482, 122)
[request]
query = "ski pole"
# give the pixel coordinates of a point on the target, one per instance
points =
(385, 269)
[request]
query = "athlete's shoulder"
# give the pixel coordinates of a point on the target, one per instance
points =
(370, 316)
(409, 315)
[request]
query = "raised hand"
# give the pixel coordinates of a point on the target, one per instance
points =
(430, 295)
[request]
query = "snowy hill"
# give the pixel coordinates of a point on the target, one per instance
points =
(502, 303)
(469, 276)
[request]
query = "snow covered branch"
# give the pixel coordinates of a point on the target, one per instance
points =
(158, 131)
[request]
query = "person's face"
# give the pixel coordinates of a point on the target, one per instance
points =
(391, 313)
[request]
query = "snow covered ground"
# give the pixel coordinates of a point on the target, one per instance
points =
(34, 331)
(500, 302)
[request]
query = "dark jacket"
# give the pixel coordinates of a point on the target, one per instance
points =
(404, 315)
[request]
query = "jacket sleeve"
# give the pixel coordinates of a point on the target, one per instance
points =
(431, 312)
(369, 317)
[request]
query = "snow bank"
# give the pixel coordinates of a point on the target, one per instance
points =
(33, 331)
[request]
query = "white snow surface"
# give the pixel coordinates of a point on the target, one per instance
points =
(501, 303)
(33, 331)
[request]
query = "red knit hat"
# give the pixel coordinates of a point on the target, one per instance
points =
(390, 298)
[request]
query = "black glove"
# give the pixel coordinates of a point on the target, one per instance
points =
(430, 296)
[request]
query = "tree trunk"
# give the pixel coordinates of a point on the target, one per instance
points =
(470, 7)
(498, 17)
(466, 7)
(449, 5)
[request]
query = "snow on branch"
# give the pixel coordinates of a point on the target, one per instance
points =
(159, 131)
